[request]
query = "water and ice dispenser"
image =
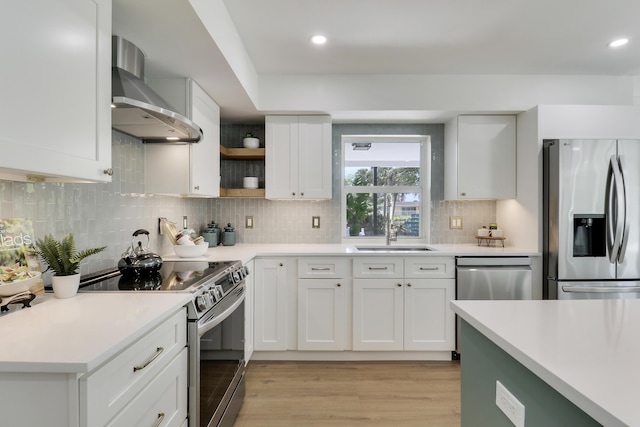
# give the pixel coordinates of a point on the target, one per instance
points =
(589, 235)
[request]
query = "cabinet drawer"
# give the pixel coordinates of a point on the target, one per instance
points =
(162, 402)
(107, 390)
(322, 267)
(429, 267)
(378, 267)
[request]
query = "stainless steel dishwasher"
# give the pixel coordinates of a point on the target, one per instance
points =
(492, 278)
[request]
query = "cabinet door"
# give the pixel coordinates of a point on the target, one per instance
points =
(248, 311)
(377, 314)
(314, 157)
(205, 155)
(186, 169)
(55, 115)
(486, 157)
(321, 314)
(428, 320)
(270, 303)
(281, 157)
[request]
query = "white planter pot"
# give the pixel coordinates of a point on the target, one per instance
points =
(251, 142)
(65, 286)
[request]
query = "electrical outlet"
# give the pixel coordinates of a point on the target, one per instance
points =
(248, 222)
(455, 222)
(507, 402)
(315, 222)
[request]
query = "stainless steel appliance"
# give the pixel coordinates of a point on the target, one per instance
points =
(215, 330)
(492, 278)
(591, 221)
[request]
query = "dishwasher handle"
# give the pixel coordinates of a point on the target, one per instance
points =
(492, 261)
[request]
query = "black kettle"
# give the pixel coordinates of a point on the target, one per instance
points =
(138, 259)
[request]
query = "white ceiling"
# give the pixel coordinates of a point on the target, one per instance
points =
(384, 37)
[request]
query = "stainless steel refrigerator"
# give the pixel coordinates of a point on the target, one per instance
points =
(591, 219)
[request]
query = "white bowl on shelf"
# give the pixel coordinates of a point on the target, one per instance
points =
(250, 182)
(250, 142)
(191, 251)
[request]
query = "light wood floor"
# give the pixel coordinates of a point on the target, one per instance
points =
(397, 394)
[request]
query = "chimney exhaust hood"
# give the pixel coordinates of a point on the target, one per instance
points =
(136, 109)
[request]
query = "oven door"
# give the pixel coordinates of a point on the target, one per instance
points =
(216, 377)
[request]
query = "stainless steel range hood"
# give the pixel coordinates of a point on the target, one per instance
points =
(136, 109)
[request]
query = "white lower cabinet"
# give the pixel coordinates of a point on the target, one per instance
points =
(248, 311)
(271, 304)
(378, 314)
(144, 383)
(407, 312)
(323, 290)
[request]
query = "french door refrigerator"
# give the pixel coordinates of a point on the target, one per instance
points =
(591, 232)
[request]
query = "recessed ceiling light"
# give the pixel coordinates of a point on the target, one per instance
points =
(618, 43)
(318, 39)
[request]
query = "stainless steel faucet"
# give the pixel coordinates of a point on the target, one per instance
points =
(390, 232)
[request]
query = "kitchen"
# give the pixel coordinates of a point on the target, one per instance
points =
(107, 214)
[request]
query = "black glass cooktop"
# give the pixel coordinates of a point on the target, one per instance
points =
(172, 277)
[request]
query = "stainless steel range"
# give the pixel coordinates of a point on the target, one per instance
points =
(215, 329)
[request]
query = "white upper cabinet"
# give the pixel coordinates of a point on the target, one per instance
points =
(190, 169)
(480, 157)
(298, 157)
(55, 114)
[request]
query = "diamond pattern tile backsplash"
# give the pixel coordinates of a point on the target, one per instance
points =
(107, 214)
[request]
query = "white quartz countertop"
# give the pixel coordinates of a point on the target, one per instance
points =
(76, 335)
(588, 350)
(246, 251)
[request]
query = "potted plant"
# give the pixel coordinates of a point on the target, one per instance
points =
(61, 257)
(250, 141)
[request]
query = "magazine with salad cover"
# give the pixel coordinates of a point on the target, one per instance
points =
(17, 250)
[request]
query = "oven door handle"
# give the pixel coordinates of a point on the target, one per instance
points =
(203, 328)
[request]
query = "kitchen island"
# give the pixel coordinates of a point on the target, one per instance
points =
(568, 362)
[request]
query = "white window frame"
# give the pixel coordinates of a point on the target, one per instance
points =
(425, 187)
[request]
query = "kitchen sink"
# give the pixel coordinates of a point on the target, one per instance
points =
(377, 249)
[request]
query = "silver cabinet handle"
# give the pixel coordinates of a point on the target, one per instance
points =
(429, 268)
(159, 420)
(108, 171)
(197, 187)
(320, 269)
(159, 351)
(378, 268)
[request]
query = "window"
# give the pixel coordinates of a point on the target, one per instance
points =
(385, 186)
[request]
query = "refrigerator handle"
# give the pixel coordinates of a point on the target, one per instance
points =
(614, 209)
(625, 223)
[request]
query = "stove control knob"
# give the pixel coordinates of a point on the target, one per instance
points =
(201, 303)
(212, 295)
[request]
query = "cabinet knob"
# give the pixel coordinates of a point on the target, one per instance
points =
(281, 264)
(197, 187)
(108, 172)
(463, 194)
(399, 285)
(409, 284)
(338, 285)
(293, 194)
(301, 194)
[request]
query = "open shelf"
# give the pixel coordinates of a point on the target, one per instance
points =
(241, 153)
(242, 192)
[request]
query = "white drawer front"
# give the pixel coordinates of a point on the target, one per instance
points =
(322, 267)
(162, 402)
(429, 267)
(378, 267)
(106, 391)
